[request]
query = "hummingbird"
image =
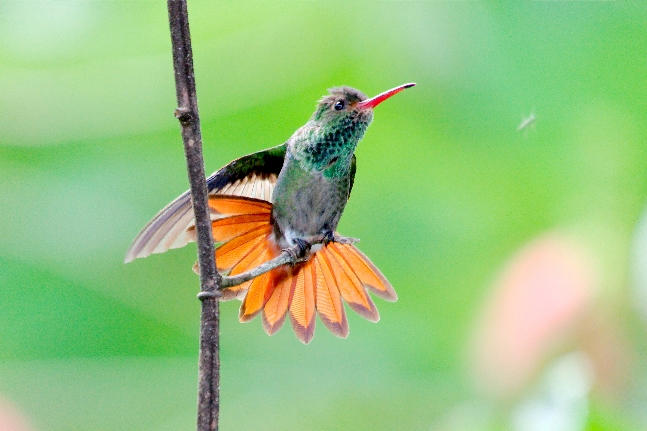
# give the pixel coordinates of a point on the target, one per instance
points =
(282, 197)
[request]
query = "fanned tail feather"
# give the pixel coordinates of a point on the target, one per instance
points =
(302, 303)
(277, 297)
(350, 286)
(327, 298)
(368, 274)
(334, 273)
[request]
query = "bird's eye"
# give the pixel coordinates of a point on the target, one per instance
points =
(339, 105)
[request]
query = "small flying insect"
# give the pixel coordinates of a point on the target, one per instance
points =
(528, 122)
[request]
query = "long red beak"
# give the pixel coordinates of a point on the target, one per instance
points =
(373, 102)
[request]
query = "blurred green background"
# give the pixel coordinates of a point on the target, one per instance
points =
(519, 257)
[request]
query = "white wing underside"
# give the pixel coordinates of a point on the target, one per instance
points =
(170, 227)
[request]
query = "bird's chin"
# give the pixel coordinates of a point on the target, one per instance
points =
(365, 115)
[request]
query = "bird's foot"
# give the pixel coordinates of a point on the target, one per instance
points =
(299, 250)
(330, 236)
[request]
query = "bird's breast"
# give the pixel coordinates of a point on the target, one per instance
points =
(307, 204)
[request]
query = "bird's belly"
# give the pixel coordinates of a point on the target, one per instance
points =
(312, 208)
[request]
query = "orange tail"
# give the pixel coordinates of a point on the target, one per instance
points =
(335, 272)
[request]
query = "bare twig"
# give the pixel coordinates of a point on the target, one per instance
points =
(289, 256)
(284, 258)
(187, 113)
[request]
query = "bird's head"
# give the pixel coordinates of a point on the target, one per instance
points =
(346, 107)
(339, 122)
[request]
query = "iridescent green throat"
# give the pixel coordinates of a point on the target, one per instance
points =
(329, 148)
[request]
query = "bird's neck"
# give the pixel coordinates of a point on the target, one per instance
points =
(326, 149)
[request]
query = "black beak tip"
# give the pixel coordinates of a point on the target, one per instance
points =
(412, 84)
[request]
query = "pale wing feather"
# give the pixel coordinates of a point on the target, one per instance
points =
(155, 237)
(170, 227)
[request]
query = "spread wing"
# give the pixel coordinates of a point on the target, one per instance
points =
(253, 176)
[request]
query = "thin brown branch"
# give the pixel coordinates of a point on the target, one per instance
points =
(187, 113)
(284, 258)
(289, 256)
